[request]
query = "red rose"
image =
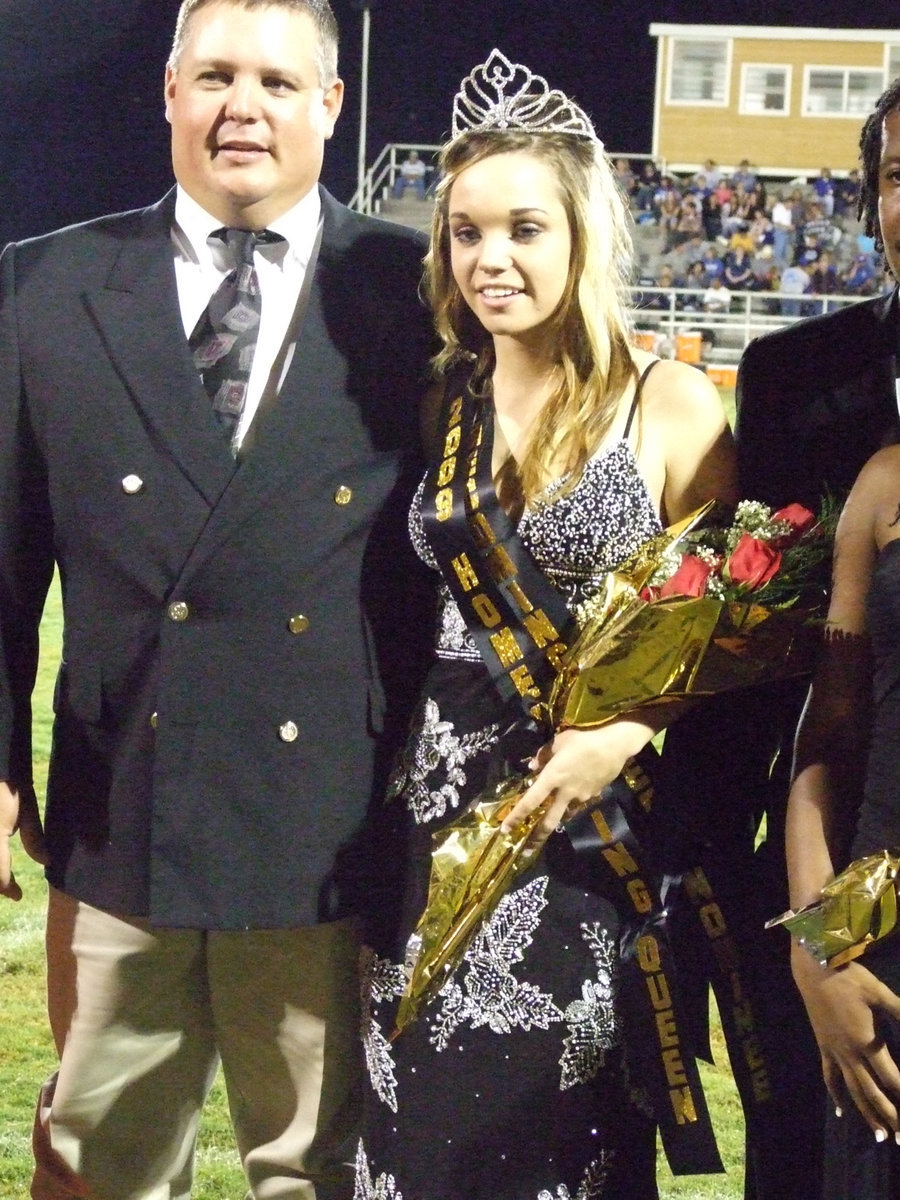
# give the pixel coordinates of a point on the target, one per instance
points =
(752, 563)
(800, 519)
(689, 579)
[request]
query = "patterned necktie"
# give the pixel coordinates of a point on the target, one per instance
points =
(224, 340)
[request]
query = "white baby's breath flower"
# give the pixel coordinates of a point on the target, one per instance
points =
(708, 555)
(750, 515)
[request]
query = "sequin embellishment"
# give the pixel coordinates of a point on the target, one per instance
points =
(432, 746)
(489, 993)
(594, 1027)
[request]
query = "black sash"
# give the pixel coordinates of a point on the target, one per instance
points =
(520, 625)
(659, 1032)
(516, 617)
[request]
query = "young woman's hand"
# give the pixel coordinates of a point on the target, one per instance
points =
(842, 1006)
(574, 768)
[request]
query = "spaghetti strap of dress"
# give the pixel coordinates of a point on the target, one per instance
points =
(637, 398)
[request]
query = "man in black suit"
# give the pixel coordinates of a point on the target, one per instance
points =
(235, 649)
(814, 402)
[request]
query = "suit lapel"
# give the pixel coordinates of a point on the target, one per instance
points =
(138, 314)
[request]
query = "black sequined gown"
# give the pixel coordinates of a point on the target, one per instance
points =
(512, 1085)
(856, 1166)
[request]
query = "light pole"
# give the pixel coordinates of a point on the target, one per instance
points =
(364, 6)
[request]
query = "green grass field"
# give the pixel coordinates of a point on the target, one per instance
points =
(27, 1056)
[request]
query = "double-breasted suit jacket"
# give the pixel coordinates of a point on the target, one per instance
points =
(815, 401)
(234, 634)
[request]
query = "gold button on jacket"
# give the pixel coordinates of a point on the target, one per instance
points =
(343, 495)
(178, 611)
(298, 624)
(289, 732)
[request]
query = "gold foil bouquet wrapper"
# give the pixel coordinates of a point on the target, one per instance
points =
(858, 908)
(473, 864)
(630, 654)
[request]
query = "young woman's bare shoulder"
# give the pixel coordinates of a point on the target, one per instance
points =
(883, 466)
(874, 500)
(675, 390)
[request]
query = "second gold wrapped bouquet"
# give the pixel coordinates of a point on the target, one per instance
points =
(858, 908)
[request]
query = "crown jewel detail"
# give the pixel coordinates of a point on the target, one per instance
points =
(501, 95)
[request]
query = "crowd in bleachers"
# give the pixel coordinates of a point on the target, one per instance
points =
(717, 233)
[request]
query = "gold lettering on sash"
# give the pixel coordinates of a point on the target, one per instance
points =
(600, 825)
(452, 440)
(446, 472)
(640, 895)
(743, 1017)
(471, 482)
(648, 953)
(524, 683)
(502, 568)
(465, 572)
(516, 592)
(541, 628)
(640, 783)
(683, 1105)
(658, 987)
(728, 957)
(674, 1065)
(713, 921)
(443, 503)
(620, 860)
(480, 528)
(486, 610)
(697, 885)
(555, 655)
(666, 1029)
(650, 962)
(506, 647)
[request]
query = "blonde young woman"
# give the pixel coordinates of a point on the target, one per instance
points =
(574, 448)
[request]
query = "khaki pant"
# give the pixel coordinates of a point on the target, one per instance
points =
(141, 1018)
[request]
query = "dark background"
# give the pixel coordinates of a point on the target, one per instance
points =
(83, 130)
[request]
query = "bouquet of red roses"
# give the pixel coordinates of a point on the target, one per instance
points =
(706, 607)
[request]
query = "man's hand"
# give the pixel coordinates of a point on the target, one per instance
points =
(18, 812)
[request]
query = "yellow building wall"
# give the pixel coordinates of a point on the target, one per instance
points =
(689, 134)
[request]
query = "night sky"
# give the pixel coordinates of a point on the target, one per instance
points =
(81, 82)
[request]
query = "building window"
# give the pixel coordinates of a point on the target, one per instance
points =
(893, 63)
(841, 91)
(698, 71)
(765, 90)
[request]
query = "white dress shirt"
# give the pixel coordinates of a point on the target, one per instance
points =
(201, 264)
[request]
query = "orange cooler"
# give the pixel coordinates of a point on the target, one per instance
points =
(688, 347)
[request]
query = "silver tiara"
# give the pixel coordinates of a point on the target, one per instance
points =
(499, 94)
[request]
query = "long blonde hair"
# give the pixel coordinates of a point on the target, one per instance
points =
(591, 324)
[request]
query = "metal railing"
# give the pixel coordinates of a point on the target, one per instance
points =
(382, 173)
(677, 311)
(384, 170)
